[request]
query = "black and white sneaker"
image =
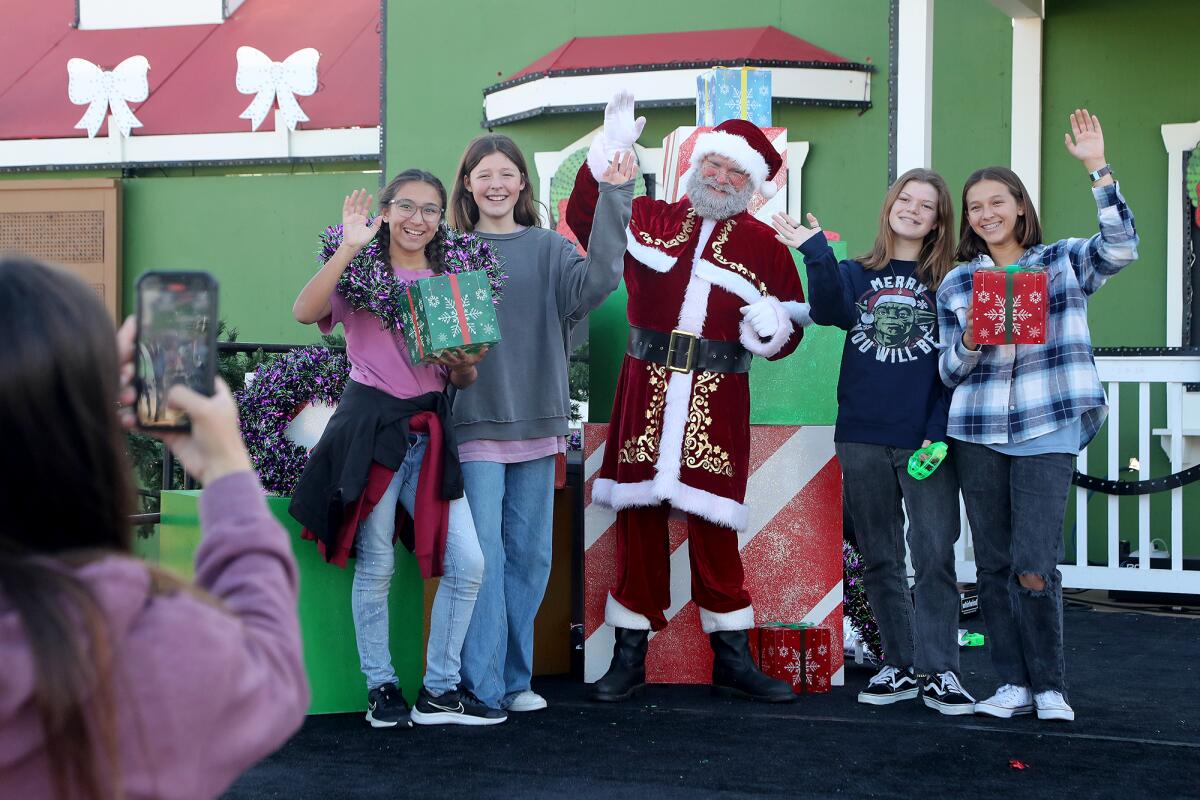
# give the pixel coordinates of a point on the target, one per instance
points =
(890, 685)
(386, 707)
(455, 707)
(944, 693)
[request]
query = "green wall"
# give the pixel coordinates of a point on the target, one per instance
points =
(256, 233)
(1131, 65)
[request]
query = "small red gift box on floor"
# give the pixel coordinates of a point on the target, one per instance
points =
(797, 653)
(1010, 305)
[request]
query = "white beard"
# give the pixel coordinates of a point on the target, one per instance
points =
(710, 207)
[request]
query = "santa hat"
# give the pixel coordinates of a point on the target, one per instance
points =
(902, 297)
(743, 142)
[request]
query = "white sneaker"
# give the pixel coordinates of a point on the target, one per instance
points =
(1006, 702)
(527, 700)
(1052, 705)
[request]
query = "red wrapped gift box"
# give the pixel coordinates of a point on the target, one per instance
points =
(797, 653)
(1010, 305)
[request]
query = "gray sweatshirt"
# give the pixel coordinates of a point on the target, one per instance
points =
(521, 392)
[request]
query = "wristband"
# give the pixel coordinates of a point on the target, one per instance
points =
(1100, 173)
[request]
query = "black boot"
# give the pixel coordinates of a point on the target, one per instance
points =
(626, 675)
(734, 672)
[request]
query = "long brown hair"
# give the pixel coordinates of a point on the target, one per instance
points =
(937, 250)
(464, 212)
(1027, 230)
(435, 250)
(62, 438)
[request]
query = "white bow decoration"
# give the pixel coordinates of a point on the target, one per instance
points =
(102, 89)
(295, 75)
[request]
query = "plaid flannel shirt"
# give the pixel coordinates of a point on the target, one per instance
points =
(1012, 393)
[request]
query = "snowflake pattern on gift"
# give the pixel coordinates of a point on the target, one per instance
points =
(433, 301)
(482, 294)
(796, 668)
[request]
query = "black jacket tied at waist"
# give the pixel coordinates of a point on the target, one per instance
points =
(369, 426)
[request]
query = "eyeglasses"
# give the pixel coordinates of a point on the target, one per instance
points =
(737, 177)
(406, 208)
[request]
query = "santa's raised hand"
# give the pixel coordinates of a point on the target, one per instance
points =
(620, 128)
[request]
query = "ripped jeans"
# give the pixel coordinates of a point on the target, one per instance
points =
(1016, 506)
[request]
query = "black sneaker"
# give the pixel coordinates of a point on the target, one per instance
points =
(943, 692)
(890, 685)
(386, 707)
(455, 707)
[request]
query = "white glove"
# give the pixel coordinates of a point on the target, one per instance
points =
(620, 131)
(762, 318)
(620, 128)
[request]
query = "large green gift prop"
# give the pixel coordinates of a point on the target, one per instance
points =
(326, 624)
(448, 311)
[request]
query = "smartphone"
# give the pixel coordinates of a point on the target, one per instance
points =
(176, 343)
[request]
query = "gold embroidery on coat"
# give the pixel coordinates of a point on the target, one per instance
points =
(740, 269)
(698, 450)
(644, 447)
(688, 223)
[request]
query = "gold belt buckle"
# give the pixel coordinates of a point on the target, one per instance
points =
(673, 347)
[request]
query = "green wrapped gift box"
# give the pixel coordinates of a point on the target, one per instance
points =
(448, 311)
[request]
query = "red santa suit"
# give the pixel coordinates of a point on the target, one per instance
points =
(680, 439)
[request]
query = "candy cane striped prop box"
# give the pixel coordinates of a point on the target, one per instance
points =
(792, 550)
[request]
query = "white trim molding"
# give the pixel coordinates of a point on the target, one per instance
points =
(914, 85)
(1176, 138)
(848, 87)
(1026, 143)
(115, 149)
(99, 15)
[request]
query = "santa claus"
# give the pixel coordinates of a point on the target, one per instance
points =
(709, 287)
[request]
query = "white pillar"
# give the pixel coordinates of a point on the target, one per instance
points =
(1026, 147)
(914, 85)
(1176, 139)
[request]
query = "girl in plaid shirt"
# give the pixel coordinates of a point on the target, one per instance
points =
(1021, 413)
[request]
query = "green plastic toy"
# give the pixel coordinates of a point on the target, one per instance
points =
(923, 462)
(970, 639)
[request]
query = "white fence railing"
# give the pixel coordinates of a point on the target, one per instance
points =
(1182, 429)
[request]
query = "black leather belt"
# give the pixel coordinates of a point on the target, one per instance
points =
(680, 351)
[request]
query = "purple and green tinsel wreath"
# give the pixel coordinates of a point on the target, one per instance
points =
(854, 600)
(369, 283)
(280, 389)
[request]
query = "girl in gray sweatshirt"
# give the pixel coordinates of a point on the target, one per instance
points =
(511, 426)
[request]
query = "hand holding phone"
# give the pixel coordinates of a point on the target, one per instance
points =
(176, 344)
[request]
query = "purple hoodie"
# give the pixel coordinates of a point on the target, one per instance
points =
(201, 692)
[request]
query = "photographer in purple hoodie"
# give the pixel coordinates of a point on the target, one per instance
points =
(120, 680)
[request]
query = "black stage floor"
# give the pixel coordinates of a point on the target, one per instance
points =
(1135, 686)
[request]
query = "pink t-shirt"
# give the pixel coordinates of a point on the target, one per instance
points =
(378, 357)
(512, 452)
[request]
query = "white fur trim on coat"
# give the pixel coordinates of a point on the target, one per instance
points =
(713, 621)
(801, 313)
(734, 148)
(652, 257)
(619, 616)
(600, 155)
(783, 332)
(666, 489)
(729, 281)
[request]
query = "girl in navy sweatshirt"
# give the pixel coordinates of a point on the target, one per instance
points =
(891, 401)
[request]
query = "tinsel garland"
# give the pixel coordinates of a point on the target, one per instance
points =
(369, 283)
(854, 600)
(283, 386)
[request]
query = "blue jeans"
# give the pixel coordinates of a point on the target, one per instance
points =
(875, 479)
(456, 594)
(513, 506)
(1016, 506)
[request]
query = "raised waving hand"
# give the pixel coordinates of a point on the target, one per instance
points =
(358, 229)
(792, 233)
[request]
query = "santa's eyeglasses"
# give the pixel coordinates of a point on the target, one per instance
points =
(710, 169)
